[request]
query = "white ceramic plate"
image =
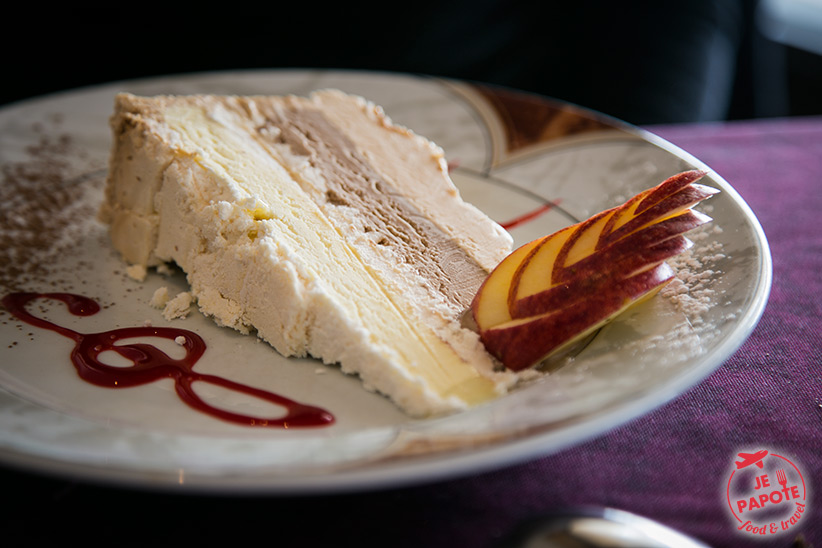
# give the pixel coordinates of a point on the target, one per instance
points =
(511, 152)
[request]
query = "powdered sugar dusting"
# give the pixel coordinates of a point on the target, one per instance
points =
(692, 291)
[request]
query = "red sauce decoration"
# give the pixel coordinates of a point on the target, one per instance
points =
(151, 364)
(528, 217)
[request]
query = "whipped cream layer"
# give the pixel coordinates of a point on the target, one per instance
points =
(320, 225)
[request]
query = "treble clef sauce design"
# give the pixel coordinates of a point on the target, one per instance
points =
(151, 364)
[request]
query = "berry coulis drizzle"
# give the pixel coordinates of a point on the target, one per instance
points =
(528, 217)
(151, 364)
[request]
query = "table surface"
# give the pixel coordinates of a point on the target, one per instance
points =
(670, 465)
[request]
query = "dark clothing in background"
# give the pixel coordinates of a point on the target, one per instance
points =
(644, 61)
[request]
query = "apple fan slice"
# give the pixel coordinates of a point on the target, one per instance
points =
(556, 290)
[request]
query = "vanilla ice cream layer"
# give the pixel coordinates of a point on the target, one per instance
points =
(317, 223)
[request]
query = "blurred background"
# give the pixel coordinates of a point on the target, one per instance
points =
(646, 62)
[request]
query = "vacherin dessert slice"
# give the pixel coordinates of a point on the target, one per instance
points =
(319, 225)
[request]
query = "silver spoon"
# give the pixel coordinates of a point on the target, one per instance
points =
(599, 528)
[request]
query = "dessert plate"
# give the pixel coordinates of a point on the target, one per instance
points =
(531, 163)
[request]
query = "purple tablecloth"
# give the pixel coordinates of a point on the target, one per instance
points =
(671, 465)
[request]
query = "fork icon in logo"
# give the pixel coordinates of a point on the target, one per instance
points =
(782, 478)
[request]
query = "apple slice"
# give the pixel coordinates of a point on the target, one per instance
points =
(670, 206)
(490, 305)
(524, 342)
(642, 249)
(581, 287)
(559, 288)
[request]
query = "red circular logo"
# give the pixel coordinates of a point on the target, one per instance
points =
(766, 493)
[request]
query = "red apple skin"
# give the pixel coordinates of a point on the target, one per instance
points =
(641, 250)
(622, 241)
(683, 199)
(525, 344)
(664, 190)
(644, 238)
(669, 186)
(591, 281)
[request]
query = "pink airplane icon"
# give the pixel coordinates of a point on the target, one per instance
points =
(751, 458)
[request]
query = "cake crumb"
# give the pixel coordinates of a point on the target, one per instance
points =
(137, 272)
(178, 307)
(164, 270)
(160, 298)
(180, 340)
